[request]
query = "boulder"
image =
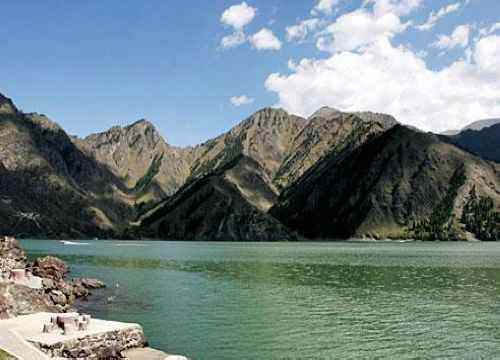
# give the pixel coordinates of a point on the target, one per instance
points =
(91, 283)
(50, 267)
(80, 290)
(48, 284)
(58, 297)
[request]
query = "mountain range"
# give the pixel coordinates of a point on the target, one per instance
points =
(274, 176)
(476, 125)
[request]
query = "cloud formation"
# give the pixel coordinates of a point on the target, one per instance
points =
(300, 31)
(434, 17)
(393, 79)
(238, 16)
(241, 100)
(458, 38)
(490, 29)
(265, 40)
(324, 7)
(359, 28)
(396, 7)
(233, 40)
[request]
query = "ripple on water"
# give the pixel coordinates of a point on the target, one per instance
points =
(300, 301)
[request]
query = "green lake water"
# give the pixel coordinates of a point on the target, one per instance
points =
(343, 300)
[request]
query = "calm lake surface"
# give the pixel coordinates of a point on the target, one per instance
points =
(298, 301)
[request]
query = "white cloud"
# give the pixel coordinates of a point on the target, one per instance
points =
(490, 30)
(238, 16)
(358, 28)
(241, 100)
(301, 30)
(459, 37)
(324, 7)
(487, 55)
(235, 39)
(434, 17)
(397, 7)
(265, 40)
(384, 78)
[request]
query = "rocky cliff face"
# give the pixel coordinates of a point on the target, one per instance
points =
(384, 186)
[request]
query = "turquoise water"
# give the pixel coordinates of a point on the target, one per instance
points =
(298, 301)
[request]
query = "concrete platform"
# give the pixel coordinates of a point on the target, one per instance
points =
(19, 335)
(30, 328)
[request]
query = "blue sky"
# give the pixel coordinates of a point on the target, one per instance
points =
(93, 64)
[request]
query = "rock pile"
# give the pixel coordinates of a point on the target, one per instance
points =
(60, 291)
(58, 294)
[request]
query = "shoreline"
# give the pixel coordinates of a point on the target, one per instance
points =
(56, 295)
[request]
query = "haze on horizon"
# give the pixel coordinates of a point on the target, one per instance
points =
(196, 70)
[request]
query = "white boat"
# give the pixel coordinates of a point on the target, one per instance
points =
(65, 242)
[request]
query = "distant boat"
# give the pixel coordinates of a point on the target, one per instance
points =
(64, 242)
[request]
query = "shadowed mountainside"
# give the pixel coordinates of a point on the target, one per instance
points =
(328, 131)
(225, 205)
(484, 142)
(382, 188)
(48, 187)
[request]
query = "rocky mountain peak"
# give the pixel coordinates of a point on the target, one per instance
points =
(43, 122)
(266, 117)
(387, 121)
(7, 106)
(141, 124)
(325, 112)
(264, 137)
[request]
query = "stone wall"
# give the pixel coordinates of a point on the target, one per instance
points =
(107, 345)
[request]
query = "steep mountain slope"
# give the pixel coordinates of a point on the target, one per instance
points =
(7, 106)
(386, 186)
(484, 142)
(48, 187)
(328, 130)
(225, 205)
(477, 125)
(137, 155)
(150, 169)
(266, 137)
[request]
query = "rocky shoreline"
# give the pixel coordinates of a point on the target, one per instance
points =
(53, 292)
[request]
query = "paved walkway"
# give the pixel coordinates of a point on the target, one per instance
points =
(13, 343)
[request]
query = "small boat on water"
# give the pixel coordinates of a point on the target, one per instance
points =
(65, 242)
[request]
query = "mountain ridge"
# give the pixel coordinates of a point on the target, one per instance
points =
(244, 184)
